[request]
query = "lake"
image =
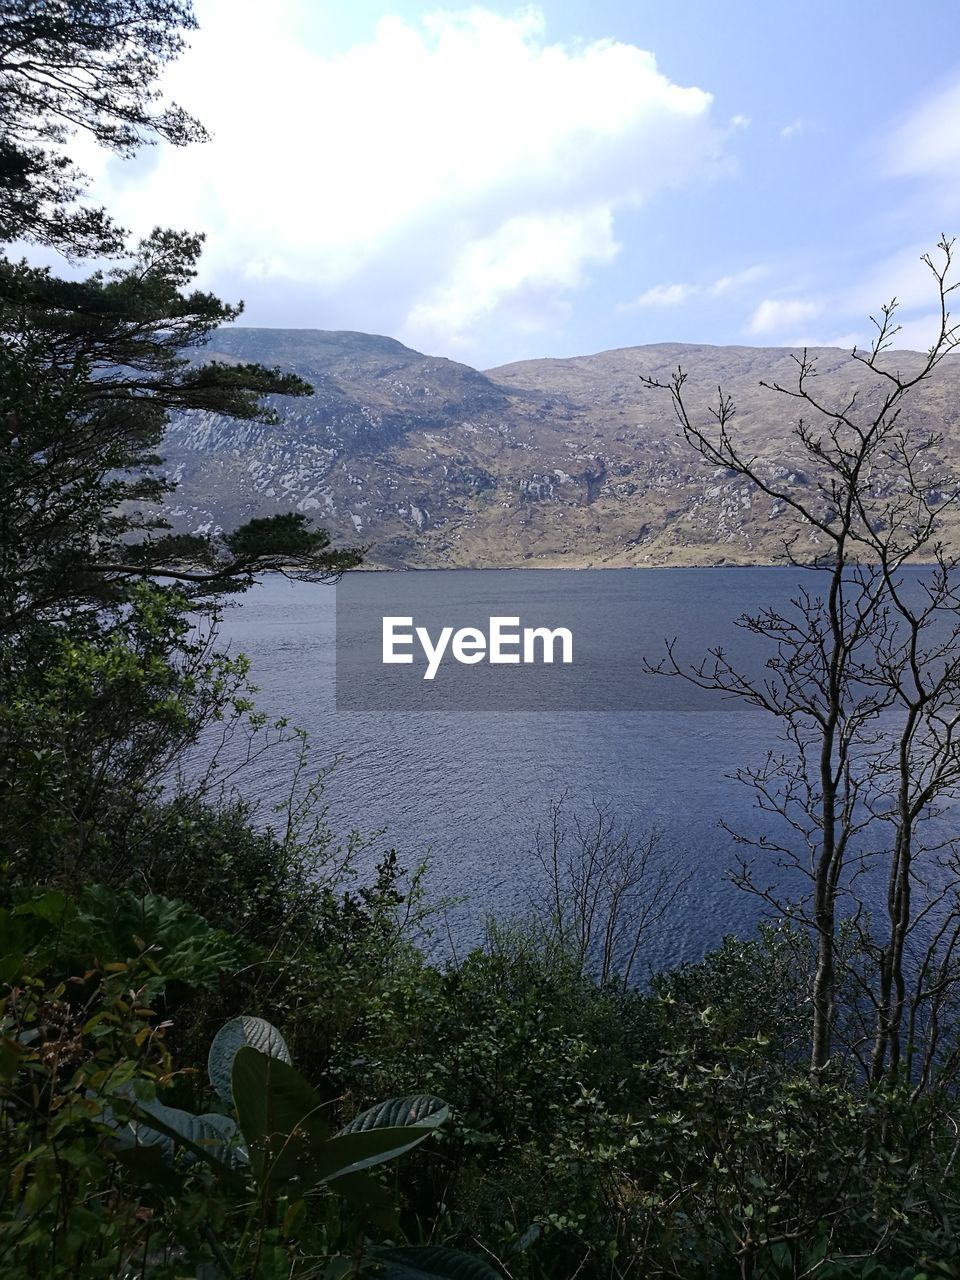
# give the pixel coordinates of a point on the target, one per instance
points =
(466, 790)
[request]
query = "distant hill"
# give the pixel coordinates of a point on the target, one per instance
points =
(545, 462)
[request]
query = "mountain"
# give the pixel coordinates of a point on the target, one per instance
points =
(546, 462)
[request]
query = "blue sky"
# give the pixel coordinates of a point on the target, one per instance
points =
(496, 183)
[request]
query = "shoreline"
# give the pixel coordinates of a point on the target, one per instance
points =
(605, 568)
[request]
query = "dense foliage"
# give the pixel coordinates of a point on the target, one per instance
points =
(593, 1130)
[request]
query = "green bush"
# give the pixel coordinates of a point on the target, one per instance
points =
(103, 1176)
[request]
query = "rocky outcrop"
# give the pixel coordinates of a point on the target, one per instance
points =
(431, 463)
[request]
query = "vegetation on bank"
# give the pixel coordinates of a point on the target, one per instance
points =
(593, 1130)
(222, 1052)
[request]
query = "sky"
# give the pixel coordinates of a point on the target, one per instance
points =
(497, 183)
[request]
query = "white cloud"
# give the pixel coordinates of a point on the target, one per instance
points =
(927, 143)
(796, 128)
(918, 333)
(662, 295)
(774, 314)
(727, 284)
(841, 312)
(903, 276)
(671, 295)
(453, 155)
(523, 262)
(847, 341)
(921, 153)
(740, 121)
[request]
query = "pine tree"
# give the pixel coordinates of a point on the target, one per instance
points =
(91, 369)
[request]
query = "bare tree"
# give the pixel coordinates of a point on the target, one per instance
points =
(607, 889)
(863, 675)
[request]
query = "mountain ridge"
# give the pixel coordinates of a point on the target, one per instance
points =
(556, 461)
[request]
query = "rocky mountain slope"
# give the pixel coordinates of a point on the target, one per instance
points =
(573, 462)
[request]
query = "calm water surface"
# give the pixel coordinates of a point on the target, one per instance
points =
(467, 790)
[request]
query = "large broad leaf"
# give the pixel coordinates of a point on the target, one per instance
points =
(350, 1152)
(420, 1109)
(282, 1120)
(53, 907)
(386, 1131)
(281, 1116)
(233, 1036)
(211, 1133)
(211, 1138)
(429, 1263)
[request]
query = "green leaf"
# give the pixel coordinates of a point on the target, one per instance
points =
(282, 1120)
(11, 964)
(179, 945)
(210, 1138)
(19, 937)
(529, 1237)
(349, 1152)
(280, 1114)
(11, 1054)
(53, 907)
(234, 1035)
(420, 1109)
(432, 1263)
